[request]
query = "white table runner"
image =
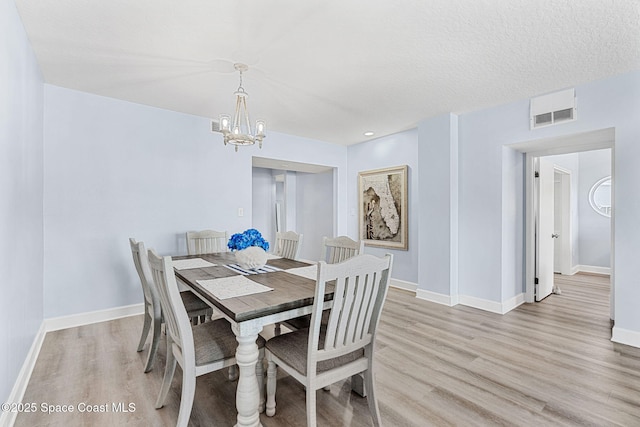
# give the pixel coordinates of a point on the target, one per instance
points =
(185, 264)
(234, 286)
(265, 269)
(310, 272)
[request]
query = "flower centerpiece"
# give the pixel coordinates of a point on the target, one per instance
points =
(250, 248)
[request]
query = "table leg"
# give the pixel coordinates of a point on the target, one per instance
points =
(247, 394)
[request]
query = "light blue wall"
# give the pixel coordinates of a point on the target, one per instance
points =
(595, 230)
(314, 207)
(21, 191)
(512, 232)
(482, 135)
(484, 245)
(263, 204)
(591, 232)
(394, 150)
(438, 205)
(115, 170)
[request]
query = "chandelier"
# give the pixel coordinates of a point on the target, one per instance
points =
(238, 131)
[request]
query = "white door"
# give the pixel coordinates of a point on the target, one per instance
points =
(557, 222)
(544, 229)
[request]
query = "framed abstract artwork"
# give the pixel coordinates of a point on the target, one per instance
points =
(383, 207)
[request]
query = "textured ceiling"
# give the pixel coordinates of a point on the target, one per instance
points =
(331, 70)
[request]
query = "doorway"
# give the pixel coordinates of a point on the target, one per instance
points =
(573, 235)
(294, 196)
(535, 149)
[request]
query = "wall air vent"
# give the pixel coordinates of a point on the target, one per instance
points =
(552, 109)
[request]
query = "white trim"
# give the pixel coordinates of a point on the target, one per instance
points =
(626, 337)
(401, 284)
(493, 306)
(81, 319)
(435, 297)
(512, 303)
(593, 269)
(20, 386)
(481, 304)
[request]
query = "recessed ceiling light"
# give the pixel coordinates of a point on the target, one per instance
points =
(368, 133)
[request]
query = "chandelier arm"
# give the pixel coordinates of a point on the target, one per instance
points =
(236, 116)
(246, 115)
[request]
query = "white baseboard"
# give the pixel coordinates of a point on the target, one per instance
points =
(64, 322)
(435, 297)
(625, 336)
(401, 284)
(7, 419)
(493, 306)
(592, 269)
(481, 304)
(512, 303)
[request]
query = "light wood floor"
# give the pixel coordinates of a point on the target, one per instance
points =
(549, 363)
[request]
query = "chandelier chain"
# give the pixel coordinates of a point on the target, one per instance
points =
(236, 130)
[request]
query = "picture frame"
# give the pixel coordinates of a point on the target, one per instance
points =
(383, 201)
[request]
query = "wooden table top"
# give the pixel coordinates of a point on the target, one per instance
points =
(289, 290)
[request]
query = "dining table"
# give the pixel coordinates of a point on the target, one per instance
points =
(249, 300)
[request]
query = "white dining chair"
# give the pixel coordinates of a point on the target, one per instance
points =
(288, 245)
(334, 250)
(198, 349)
(341, 248)
(321, 355)
(193, 305)
(207, 242)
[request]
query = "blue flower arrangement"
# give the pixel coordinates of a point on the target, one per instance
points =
(250, 237)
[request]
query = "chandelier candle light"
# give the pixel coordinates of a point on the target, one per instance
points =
(238, 132)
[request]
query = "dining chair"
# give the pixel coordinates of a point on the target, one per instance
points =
(199, 349)
(334, 250)
(207, 242)
(288, 244)
(338, 249)
(194, 306)
(321, 355)
(210, 242)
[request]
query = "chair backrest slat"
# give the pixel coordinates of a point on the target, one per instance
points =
(144, 273)
(175, 314)
(360, 288)
(207, 242)
(341, 248)
(288, 244)
(364, 322)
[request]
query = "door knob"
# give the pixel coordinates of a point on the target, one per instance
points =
(555, 235)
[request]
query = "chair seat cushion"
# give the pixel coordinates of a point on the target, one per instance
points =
(216, 341)
(291, 348)
(305, 321)
(193, 304)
